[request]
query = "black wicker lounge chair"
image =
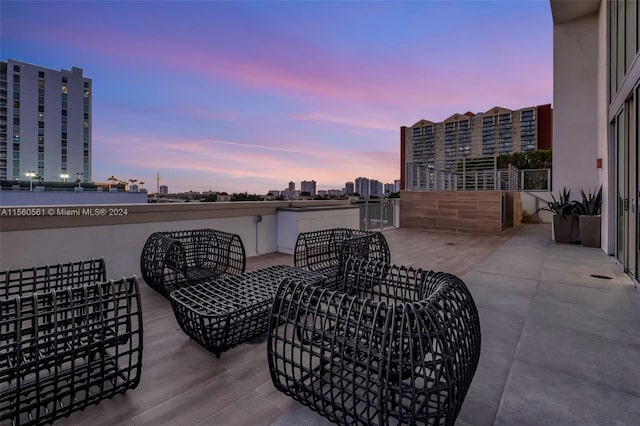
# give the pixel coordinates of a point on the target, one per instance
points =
(171, 260)
(222, 313)
(67, 339)
(397, 346)
(325, 251)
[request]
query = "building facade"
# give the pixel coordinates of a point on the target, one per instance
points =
(596, 93)
(349, 188)
(376, 189)
(308, 186)
(362, 187)
(46, 123)
(389, 188)
(430, 145)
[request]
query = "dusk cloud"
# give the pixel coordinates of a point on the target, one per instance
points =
(246, 96)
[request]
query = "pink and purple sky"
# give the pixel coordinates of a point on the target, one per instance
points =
(246, 96)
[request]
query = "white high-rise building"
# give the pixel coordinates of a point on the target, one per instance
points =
(45, 123)
(349, 188)
(363, 187)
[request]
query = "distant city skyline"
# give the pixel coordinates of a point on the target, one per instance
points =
(239, 96)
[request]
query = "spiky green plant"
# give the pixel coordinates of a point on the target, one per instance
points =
(563, 206)
(591, 204)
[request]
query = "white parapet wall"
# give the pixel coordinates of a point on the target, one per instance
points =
(534, 201)
(34, 236)
(292, 221)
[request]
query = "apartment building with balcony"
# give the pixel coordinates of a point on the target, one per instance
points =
(438, 145)
(45, 119)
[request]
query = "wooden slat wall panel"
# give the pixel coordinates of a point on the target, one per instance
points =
(457, 211)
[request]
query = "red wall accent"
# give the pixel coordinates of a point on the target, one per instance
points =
(544, 115)
(402, 158)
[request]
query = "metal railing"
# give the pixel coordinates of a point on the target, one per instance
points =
(478, 174)
(535, 180)
(378, 214)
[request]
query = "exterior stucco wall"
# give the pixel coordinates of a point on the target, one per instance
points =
(291, 222)
(27, 241)
(576, 54)
(121, 244)
(605, 174)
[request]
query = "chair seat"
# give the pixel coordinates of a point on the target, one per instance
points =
(197, 273)
(393, 345)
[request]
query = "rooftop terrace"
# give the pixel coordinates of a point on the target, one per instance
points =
(559, 346)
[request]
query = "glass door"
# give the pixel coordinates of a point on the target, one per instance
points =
(626, 129)
(632, 180)
(621, 242)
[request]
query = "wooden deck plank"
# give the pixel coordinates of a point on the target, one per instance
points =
(183, 384)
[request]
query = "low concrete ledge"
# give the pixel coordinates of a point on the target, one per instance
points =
(294, 220)
(83, 232)
(17, 218)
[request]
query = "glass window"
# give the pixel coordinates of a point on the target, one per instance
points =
(41, 74)
(630, 32)
(612, 48)
(620, 45)
(16, 68)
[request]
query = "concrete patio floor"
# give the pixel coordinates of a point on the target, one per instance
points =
(559, 347)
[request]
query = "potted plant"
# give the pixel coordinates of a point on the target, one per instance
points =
(589, 210)
(564, 221)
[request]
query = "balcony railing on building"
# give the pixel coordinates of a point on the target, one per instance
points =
(477, 174)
